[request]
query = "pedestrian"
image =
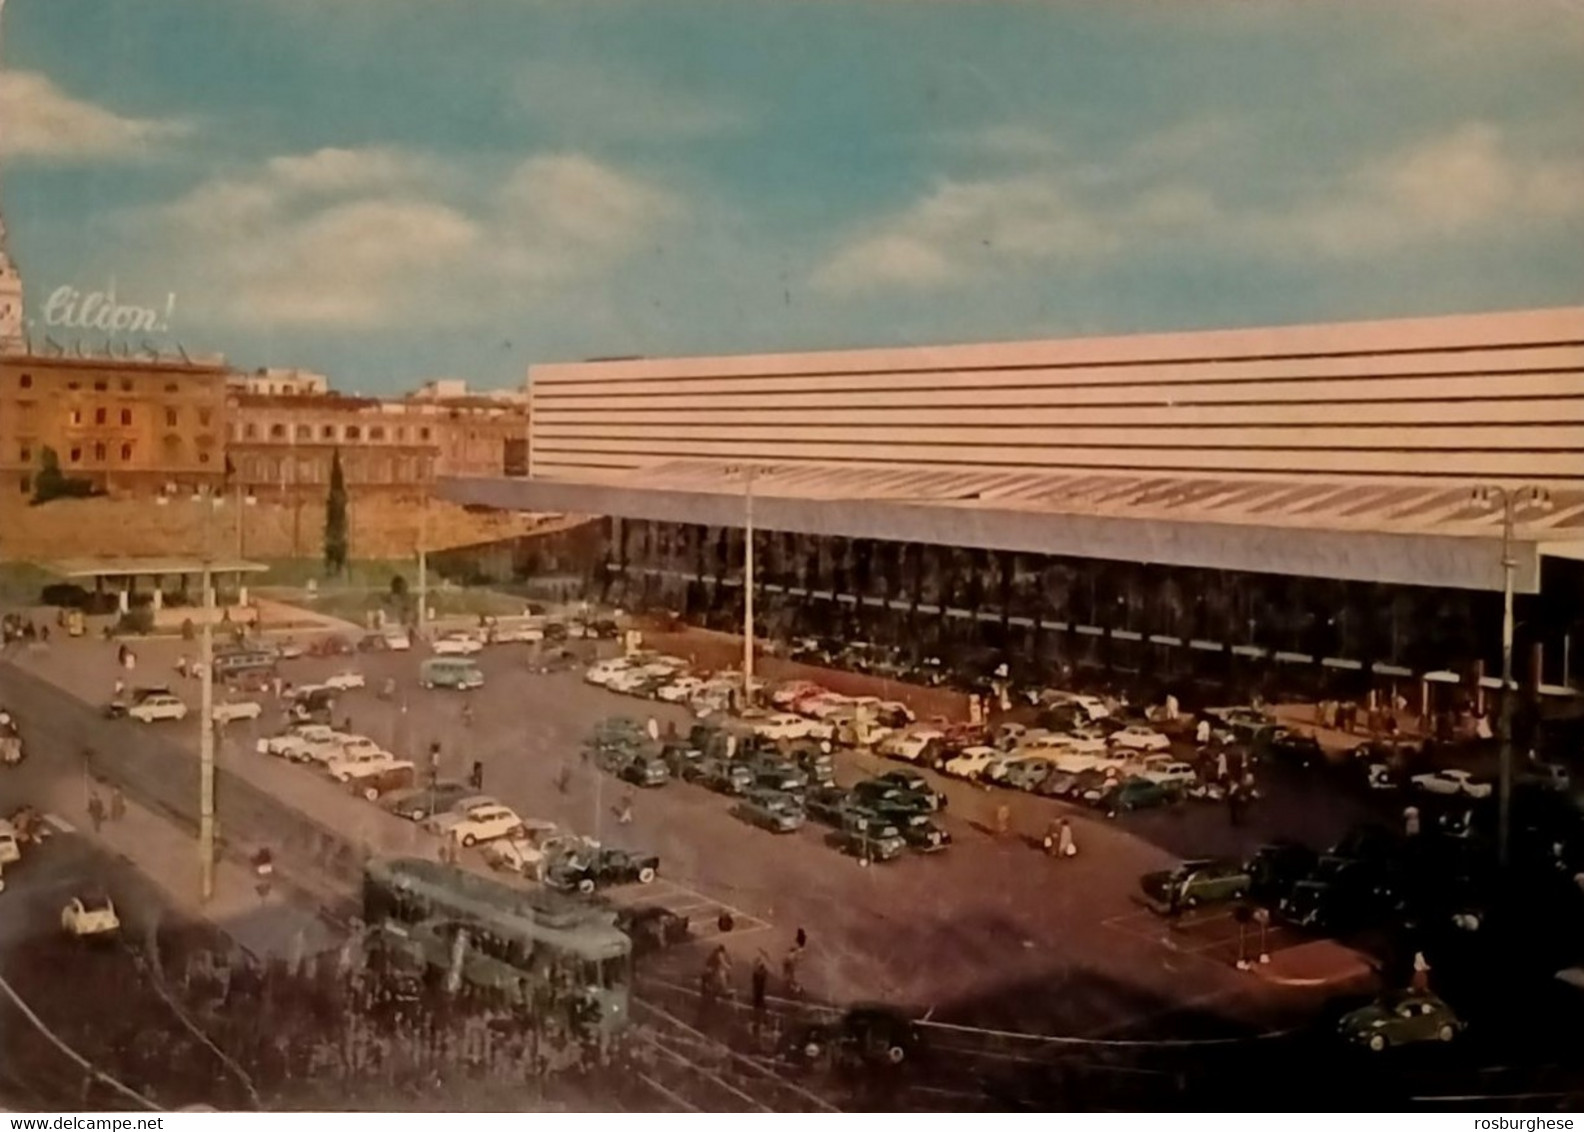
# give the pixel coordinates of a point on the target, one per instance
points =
(120, 686)
(1421, 973)
(1234, 799)
(467, 713)
(1411, 821)
(476, 779)
(44, 634)
(434, 763)
(653, 727)
(801, 939)
(1482, 726)
(1171, 708)
(1202, 732)
(96, 811)
(346, 725)
(1065, 845)
(671, 731)
(1221, 766)
(789, 973)
(563, 780)
(117, 804)
(624, 810)
(181, 667)
(279, 684)
(1003, 820)
(760, 991)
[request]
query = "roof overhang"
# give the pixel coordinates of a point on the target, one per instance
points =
(1458, 558)
(125, 567)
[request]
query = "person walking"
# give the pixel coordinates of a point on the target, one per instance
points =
(96, 811)
(653, 727)
(624, 810)
(476, 779)
(789, 972)
(117, 805)
(1065, 845)
(1411, 821)
(563, 781)
(1221, 766)
(1202, 732)
(801, 939)
(760, 984)
(120, 687)
(434, 763)
(1003, 820)
(1421, 973)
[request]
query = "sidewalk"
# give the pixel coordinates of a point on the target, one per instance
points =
(267, 927)
(1302, 717)
(1322, 963)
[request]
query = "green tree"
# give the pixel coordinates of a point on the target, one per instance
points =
(52, 483)
(335, 536)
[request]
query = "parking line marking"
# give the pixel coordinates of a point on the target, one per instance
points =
(59, 824)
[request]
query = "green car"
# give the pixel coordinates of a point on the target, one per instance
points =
(868, 836)
(1130, 794)
(1194, 883)
(770, 809)
(1399, 1020)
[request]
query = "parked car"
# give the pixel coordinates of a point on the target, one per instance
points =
(829, 805)
(456, 644)
(1136, 737)
(647, 768)
(920, 745)
(813, 759)
(1163, 770)
(1125, 795)
(679, 690)
(234, 710)
(418, 803)
(1451, 782)
(723, 775)
(1276, 867)
(1404, 1018)
(87, 917)
(864, 1036)
(1291, 746)
(484, 823)
(867, 836)
(1194, 883)
(156, 708)
(1026, 773)
(770, 809)
(342, 681)
(971, 762)
(771, 773)
(602, 868)
(528, 851)
(653, 928)
(921, 832)
(915, 783)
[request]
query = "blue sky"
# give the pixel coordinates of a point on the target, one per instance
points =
(388, 190)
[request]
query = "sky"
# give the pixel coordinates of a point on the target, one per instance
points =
(387, 191)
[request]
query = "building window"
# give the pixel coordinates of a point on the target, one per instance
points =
(126, 385)
(26, 381)
(76, 455)
(203, 417)
(203, 457)
(401, 433)
(377, 433)
(170, 418)
(172, 387)
(327, 432)
(99, 452)
(101, 385)
(76, 416)
(126, 452)
(277, 432)
(304, 432)
(100, 415)
(126, 416)
(26, 484)
(250, 431)
(423, 434)
(353, 432)
(26, 454)
(74, 385)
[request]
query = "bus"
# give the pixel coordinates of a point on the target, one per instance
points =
(523, 947)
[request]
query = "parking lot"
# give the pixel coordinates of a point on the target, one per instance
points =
(992, 929)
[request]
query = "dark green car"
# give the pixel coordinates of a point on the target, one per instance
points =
(1196, 883)
(921, 833)
(770, 809)
(1130, 794)
(868, 836)
(1406, 1018)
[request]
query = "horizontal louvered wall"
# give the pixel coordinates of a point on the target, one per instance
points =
(1479, 397)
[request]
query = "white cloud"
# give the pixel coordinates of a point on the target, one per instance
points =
(603, 101)
(380, 237)
(1461, 184)
(968, 229)
(39, 120)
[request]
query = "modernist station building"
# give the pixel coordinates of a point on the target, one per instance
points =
(1296, 505)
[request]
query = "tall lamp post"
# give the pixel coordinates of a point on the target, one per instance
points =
(1510, 500)
(748, 472)
(206, 752)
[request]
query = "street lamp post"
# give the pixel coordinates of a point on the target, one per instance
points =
(1510, 499)
(748, 472)
(206, 751)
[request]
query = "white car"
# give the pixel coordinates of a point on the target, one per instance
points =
(375, 777)
(825, 705)
(158, 707)
(89, 916)
(1138, 738)
(629, 681)
(680, 690)
(397, 640)
(911, 746)
(341, 681)
(1165, 771)
(359, 763)
(442, 822)
(1451, 782)
(786, 696)
(517, 633)
(457, 644)
(1092, 706)
(605, 671)
(485, 823)
(778, 725)
(526, 851)
(971, 762)
(313, 742)
(235, 710)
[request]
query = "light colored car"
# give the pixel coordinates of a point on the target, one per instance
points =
(603, 672)
(341, 681)
(158, 707)
(1092, 706)
(629, 681)
(397, 639)
(517, 633)
(1138, 738)
(441, 822)
(787, 696)
(309, 743)
(235, 710)
(1451, 782)
(912, 745)
(289, 649)
(971, 762)
(680, 690)
(456, 644)
(10, 844)
(89, 916)
(824, 705)
(780, 725)
(485, 823)
(1166, 771)
(526, 852)
(359, 763)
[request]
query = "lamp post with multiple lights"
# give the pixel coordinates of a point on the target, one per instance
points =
(1511, 500)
